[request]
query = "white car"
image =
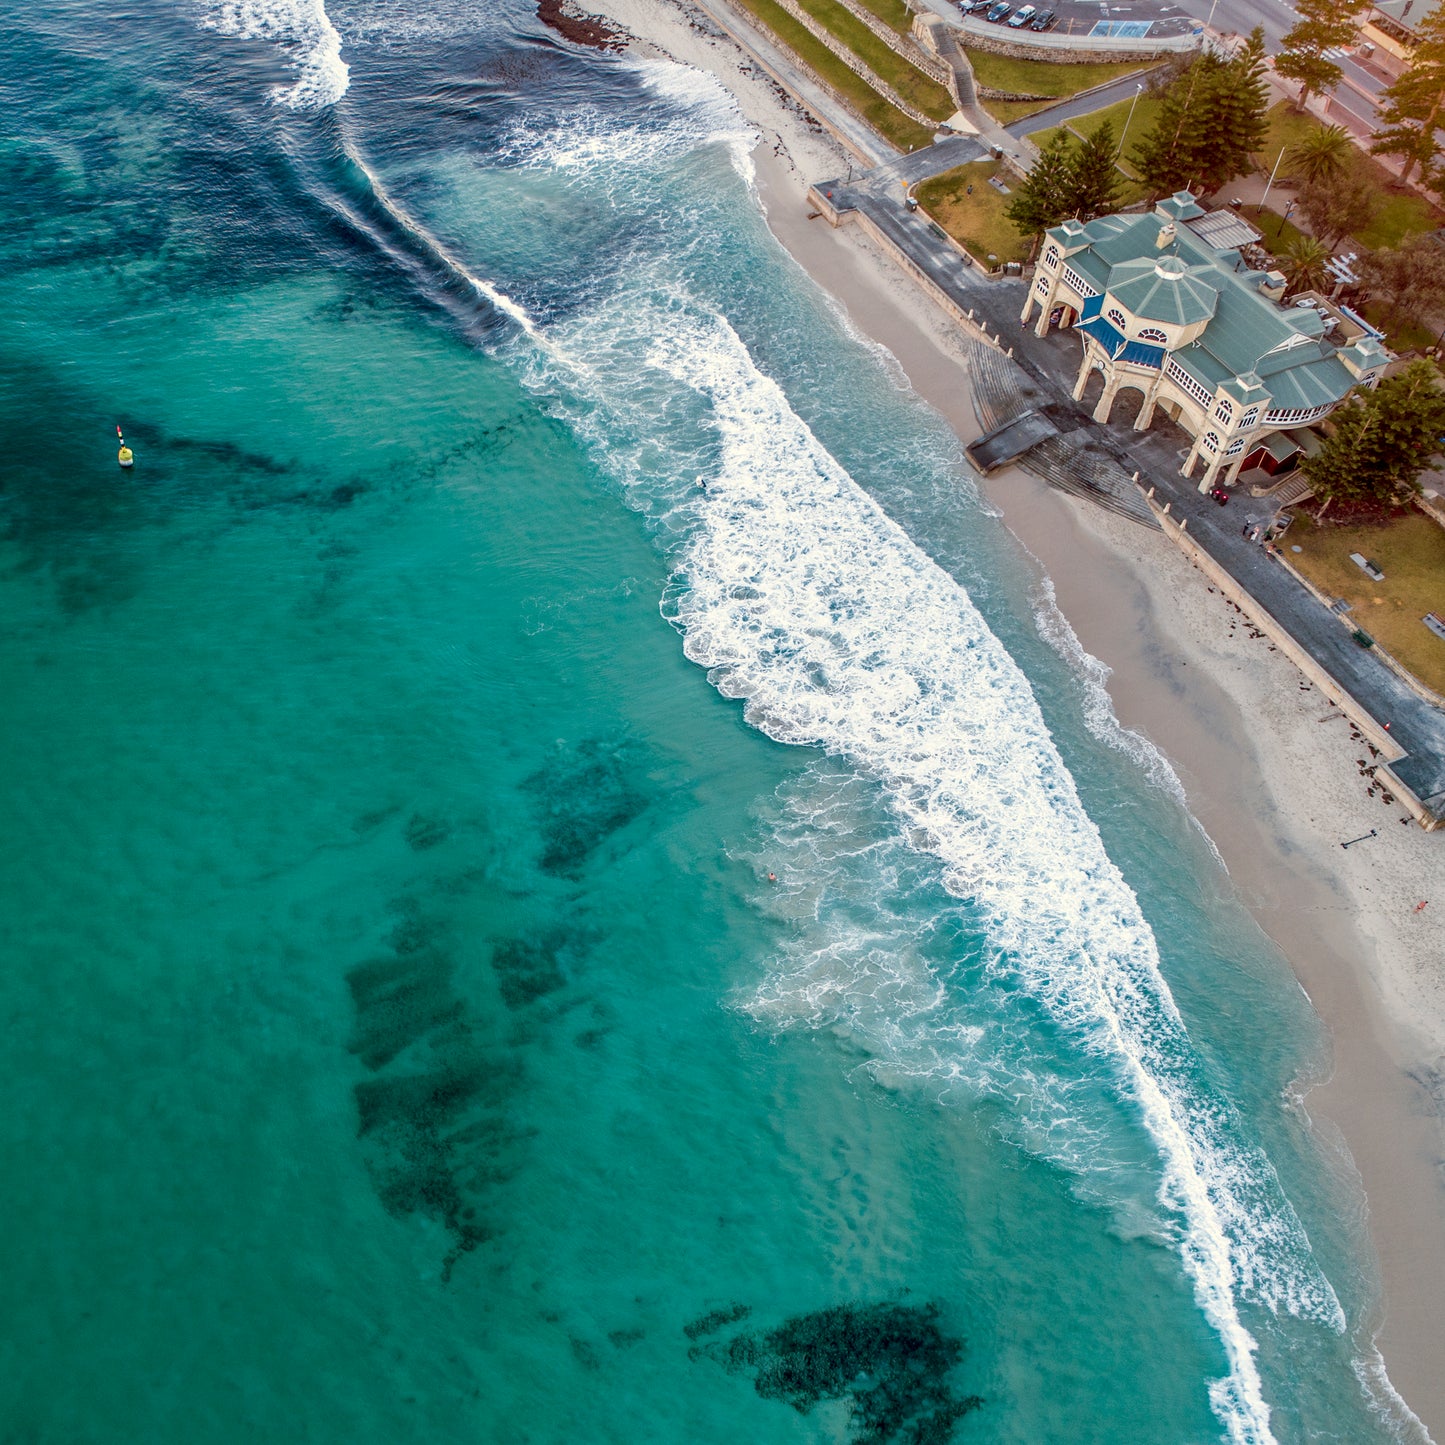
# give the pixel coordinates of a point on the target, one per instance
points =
(1022, 16)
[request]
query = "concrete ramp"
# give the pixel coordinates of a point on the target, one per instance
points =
(1012, 439)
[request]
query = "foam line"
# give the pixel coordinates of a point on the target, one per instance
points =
(804, 599)
(301, 27)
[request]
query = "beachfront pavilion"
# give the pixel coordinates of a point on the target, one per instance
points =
(1164, 312)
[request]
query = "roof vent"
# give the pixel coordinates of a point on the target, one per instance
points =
(1166, 235)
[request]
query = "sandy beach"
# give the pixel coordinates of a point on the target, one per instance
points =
(1269, 767)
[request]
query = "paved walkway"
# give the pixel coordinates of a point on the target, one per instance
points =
(1078, 105)
(1098, 460)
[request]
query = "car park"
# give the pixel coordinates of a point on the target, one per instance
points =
(1022, 16)
(998, 12)
(1044, 20)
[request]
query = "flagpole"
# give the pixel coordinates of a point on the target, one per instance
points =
(1272, 175)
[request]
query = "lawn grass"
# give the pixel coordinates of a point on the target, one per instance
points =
(1118, 115)
(886, 119)
(1404, 334)
(977, 221)
(1044, 77)
(893, 13)
(1410, 551)
(1401, 213)
(911, 83)
(1006, 112)
(1044, 138)
(1279, 234)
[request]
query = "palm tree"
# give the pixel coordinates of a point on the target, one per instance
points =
(1304, 264)
(1321, 155)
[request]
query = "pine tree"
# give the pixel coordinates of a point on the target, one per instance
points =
(1094, 176)
(1234, 121)
(1044, 197)
(1413, 106)
(1165, 158)
(1323, 25)
(1211, 119)
(1381, 441)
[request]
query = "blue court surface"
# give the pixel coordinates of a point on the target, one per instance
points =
(1123, 29)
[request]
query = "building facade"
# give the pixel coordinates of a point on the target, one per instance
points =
(1162, 311)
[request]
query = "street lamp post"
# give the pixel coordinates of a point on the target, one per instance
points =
(1138, 91)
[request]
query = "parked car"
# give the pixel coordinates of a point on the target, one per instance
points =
(998, 12)
(1022, 16)
(972, 7)
(1044, 20)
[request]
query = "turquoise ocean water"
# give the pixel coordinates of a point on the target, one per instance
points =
(564, 880)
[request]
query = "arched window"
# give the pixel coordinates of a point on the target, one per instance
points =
(1051, 257)
(1116, 318)
(1211, 440)
(1042, 285)
(1251, 416)
(1153, 333)
(1224, 412)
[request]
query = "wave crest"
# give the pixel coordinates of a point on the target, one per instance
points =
(304, 30)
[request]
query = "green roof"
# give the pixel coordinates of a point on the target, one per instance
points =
(1246, 331)
(1163, 288)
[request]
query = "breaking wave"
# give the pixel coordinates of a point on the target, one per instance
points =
(300, 27)
(803, 599)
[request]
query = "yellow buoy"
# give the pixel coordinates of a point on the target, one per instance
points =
(126, 457)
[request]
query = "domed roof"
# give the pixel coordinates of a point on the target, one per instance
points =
(1163, 288)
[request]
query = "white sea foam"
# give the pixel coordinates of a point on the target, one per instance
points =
(695, 111)
(1386, 1403)
(802, 598)
(303, 29)
(1099, 715)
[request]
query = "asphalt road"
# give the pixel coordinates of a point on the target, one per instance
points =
(1353, 99)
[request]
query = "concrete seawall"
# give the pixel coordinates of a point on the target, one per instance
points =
(1328, 686)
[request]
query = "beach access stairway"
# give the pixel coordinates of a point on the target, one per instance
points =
(1071, 460)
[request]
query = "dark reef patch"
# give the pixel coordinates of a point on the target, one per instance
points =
(436, 1116)
(423, 833)
(577, 25)
(530, 968)
(398, 1001)
(891, 1362)
(584, 796)
(714, 1320)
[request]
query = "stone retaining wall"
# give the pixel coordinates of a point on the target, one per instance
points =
(783, 82)
(825, 37)
(917, 57)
